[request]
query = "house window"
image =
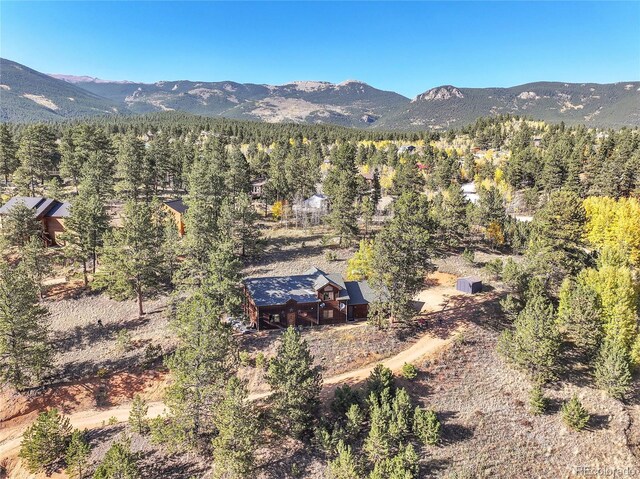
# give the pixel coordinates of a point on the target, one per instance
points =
(274, 318)
(327, 296)
(327, 314)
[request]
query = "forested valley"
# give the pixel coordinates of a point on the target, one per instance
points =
(547, 215)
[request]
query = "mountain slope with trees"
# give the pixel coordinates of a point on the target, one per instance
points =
(27, 95)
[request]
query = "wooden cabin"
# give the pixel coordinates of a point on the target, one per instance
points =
(177, 209)
(308, 299)
(51, 214)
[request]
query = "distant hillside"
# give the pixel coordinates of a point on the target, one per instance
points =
(350, 103)
(592, 104)
(27, 95)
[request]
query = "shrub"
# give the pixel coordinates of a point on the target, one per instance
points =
(138, 415)
(119, 462)
(574, 414)
(613, 368)
(468, 255)
(123, 340)
(409, 371)
(537, 401)
(151, 354)
(330, 255)
(45, 441)
(244, 358)
(426, 426)
(77, 455)
(261, 360)
(381, 378)
(344, 398)
(494, 267)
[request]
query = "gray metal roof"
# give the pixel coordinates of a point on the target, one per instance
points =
(360, 292)
(176, 205)
(470, 279)
(272, 291)
(280, 289)
(43, 207)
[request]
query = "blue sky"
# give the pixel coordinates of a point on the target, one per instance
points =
(406, 47)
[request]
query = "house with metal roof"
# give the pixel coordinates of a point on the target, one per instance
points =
(51, 214)
(177, 208)
(311, 298)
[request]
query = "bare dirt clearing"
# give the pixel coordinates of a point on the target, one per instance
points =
(292, 251)
(488, 430)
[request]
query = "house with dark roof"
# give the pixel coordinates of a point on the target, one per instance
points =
(311, 298)
(51, 214)
(177, 209)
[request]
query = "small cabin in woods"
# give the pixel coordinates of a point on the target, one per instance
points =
(177, 209)
(49, 212)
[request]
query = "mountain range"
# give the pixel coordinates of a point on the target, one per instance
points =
(28, 95)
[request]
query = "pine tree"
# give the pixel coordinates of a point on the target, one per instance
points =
(534, 343)
(401, 255)
(378, 443)
(205, 360)
(204, 201)
(77, 455)
(238, 222)
(426, 426)
(490, 207)
(38, 154)
(44, 442)
(98, 173)
(138, 415)
(613, 368)
(77, 145)
(380, 379)
(537, 401)
(118, 463)
(574, 414)
(295, 383)
(556, 249)
(344, 466)
(237, 178)
(25, 352)
(85, 229)
(20, 225)
(579, 316)
(8, 159)
(222, 283)
(131, 172)
(401, 416)
(238, 433)
(132, 262)
(453, 215)
(355, 420)
(36, 262)
(341, 186)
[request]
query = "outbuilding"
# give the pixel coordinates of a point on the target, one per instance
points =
(470, 284)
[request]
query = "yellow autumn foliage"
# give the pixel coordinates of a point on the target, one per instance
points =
(618, 296)
(495, 234)
(359, 266)
(276, 210)
(614, 223)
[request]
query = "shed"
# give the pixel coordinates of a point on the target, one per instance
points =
(470, 284)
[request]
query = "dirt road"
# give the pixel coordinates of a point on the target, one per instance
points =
(93, 418)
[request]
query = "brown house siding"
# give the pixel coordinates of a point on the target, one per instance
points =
(304, 314)
(52, 228)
